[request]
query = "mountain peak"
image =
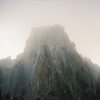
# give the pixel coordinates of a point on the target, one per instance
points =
(53, 36)
(50, 68)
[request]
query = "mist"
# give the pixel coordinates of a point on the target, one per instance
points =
(81, 20)
(49, 50)
(48, 66)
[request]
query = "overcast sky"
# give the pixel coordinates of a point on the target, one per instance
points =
(81, 19)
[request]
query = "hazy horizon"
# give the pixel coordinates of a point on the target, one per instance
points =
(81, 20)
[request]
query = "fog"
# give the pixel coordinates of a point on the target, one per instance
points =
(49, 67)
(54, 45)
(81, 20)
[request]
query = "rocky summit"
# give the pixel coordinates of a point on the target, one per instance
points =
(50, 68)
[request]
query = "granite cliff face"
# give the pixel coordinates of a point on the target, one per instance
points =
(50, 68)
